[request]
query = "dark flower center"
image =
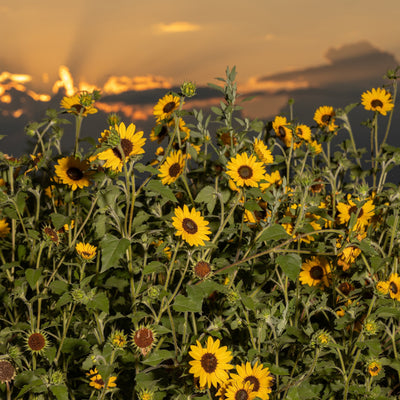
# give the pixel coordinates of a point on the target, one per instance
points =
(245, 172)
(126, 146)
(7, 371)
(282, 131)
(74, 173)
(254, 381)
(143, 338)
(169, 107)
(36, 341)
(376, 103)
(77, 107)
(374, 369)
(51, 233)
(393, 288)
(174, 170)
(326, 118)
(345, 288)
(202, 269)
(317, 272)
(260, 214)
(209, 362)
(189, 226)
(354, 209)
(99, 381)
(241, 394)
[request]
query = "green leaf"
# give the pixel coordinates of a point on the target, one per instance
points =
(252, 205)
(273, 232)
(278, 370)
(248, 302)
(146, 168)
(100, 302)
(77, 346)
(193, 302)
(58, 287)
(59, 220)
(154, 266)
(290, 264)
(158, 357)
(164, 191)
(60, 391)
(112, 249)
(33, 276)
(20, 201)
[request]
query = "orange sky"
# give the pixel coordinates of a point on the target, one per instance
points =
(160, 42)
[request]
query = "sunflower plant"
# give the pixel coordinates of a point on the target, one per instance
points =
(244, 259)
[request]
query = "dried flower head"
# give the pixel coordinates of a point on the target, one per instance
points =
(144, 339)
(202, 270)
(7, 371)
(37, 342)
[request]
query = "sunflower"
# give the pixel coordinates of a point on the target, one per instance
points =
(7, 371)
(73, 172)
(316, 148)
(325, 117)
(202, 269)
(282, 130)
(166, 106)
(245, 170)
(118, 339)
(382, 287)
(131, 144)
(4, 228)
(86, 250)
(377, 100)
(364, 213)
(191, 226)
(146, 394)
(272, 179)
(374, 368)
(315, 271)
(37, 342)
(260, 378)
(210, 363)
(144, 338)
(302, 133)
(172, 167)
(394, 286)
(97, 382)
(262, 151)
(52, 235)
(240, 390)
(159, 132)
(73, 105)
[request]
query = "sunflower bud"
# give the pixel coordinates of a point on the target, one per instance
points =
(188, 89)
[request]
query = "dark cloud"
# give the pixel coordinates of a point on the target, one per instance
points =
(356, 64)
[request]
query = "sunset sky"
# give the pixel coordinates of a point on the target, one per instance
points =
(316, 52)
(182, 39)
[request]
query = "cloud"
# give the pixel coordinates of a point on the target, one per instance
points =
(176, 27)
(352, 64)
(120, 84)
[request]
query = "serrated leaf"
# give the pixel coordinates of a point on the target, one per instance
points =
(273, 232)
(32, 276)
(112, 249)
(164, 191)
(290, 264)
(158, 357)
(100, 302)
(154, 266)
(60, 391)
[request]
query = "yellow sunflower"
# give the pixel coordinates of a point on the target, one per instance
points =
(210, 363)
(97, 382)
(73, 105)
(394, 286)
(315, 271)
(4, 228)
(302, 133)
(191, 226)
(159, 132)
(282, 130)
(86, 250)
(272, 179)
(131, 144)
(166, 106)
(377, 100)
(245, 170)
(240, 390)
(73, 172)
(374, 368)
(260, 378)
(262, 151)
(364, 214)
(325, 117)
(172, 168)
(316, 148)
